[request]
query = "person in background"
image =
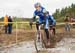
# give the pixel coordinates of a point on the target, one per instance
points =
(67, 25)
(6, 23)
(10, 25)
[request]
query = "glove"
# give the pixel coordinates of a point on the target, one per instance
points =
(34, 18)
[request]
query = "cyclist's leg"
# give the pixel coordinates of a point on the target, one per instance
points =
(52, 33)
(37, 26)
(48, 37)
(51, 30)
(47, 33)
(54, 30)
(38, 32)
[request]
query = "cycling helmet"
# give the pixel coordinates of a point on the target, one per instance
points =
(37, 4)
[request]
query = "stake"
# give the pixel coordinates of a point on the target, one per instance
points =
(16, 33)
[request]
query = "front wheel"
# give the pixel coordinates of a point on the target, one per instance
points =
(38, 43)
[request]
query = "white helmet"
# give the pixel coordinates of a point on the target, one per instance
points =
(37, 4)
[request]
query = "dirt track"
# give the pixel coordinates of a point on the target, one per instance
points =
(28, 35)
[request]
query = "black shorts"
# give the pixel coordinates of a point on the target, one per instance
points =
(51, 27)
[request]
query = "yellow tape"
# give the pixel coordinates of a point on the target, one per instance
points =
(34, 23)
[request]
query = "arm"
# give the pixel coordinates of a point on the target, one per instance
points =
(34, 17)
(53, 20)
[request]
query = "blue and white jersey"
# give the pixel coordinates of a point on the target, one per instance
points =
(46, 22)
(49, 20)
(40, 14)
(52, 21)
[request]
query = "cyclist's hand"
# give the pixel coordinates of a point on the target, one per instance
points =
(34, 18)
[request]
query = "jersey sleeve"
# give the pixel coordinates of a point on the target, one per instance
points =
(53, 20)
(44, 10)
(34, 14)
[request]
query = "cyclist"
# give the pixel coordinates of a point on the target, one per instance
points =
(52, 23)
(49, 22)
(40, 13)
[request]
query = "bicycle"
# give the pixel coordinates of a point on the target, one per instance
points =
(43, 40)
(39, 42)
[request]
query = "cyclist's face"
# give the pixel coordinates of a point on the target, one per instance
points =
(37, 8)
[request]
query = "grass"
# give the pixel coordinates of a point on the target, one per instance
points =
(27, 34)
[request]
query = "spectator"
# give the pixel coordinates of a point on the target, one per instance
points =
(10, 25)
(67, 25)
(6, 23)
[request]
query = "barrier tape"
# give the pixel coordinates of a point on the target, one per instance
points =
(35, 22)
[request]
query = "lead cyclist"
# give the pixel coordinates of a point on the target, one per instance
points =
(44, 17)
(39, 12)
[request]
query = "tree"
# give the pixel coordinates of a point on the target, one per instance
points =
(56, 14)
(67, 11)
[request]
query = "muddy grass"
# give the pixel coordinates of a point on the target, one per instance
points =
(22, 35)
(29, 35)
(62, 40)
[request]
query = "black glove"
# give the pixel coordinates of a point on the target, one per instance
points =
(34, 18)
